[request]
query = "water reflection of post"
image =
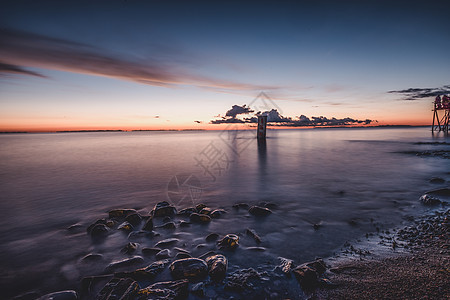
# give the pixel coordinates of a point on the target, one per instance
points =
(262, 164)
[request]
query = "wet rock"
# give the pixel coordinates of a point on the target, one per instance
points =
(217, 213)
(119, 288)
(253, 234)
(167, 242)
(99, 230)
(182, 255)
(241, 206)
(165, 253)
(242, 280)
(63, 295)
(429, 200)
(148, 226)
(306, 276)
(125, 226)
(205, 211)
(166, 290)
(285, 265)
(217, 266)
(92, 257)
(184, 224)
(75, 228)
(168, 225)
(259, 211)
(437, 180)
(163, 209)
(124, 263)
(167, 219)
(318, 265)
(129, 248)
(199, 207)
(189, 268)
(187, 211)
(198, 289)
(91, 284)
(121, 212)
(139, 235)
(212, 237)
(439, 192)
(199, 218)
(150, 251)
(147, 273)
(229, 242)
(134, 219)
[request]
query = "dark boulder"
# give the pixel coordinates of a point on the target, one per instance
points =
(189, 268)
(217, 213)
(168, 225)
(241, 206)
(147, 273)
(169, 290)
(165, 253)
(129, 248)
(148, 226)
(124, 263)
(150, 251)
(429, 200)
(134, 219)
(259, 211)
(167, 242)
(125, 226)
(163, 209)
(217, 266)
(187, 211)
(199, 207)
(99, 230)
(119, 288)
(229, 242)
(199, 218)
(306, 276)
(212, 237)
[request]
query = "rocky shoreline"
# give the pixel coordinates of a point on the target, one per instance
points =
(165, 267)
(414, 262)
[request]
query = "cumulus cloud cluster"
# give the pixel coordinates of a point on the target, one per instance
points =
(421, 93)
(276, 119)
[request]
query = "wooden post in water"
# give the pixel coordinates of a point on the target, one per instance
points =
(262, 125)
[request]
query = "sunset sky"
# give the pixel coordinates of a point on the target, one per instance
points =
(71, 65)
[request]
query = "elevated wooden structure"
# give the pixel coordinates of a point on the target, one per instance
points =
(441, 114)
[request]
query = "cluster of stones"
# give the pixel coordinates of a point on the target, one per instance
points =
(184, 269)
(432, 229)
(189, 274)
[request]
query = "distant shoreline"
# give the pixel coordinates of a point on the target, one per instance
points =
(163, 130)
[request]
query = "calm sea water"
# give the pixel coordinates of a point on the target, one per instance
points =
(347, 180)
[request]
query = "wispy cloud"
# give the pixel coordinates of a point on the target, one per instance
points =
(6, 69)
(421, 93)
(276, 119)
(20, 49)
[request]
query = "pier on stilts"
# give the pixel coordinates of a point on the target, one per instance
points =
(441, 114)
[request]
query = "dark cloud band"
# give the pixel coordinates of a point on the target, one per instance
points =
(422, 93)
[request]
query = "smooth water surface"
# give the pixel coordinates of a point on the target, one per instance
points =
(348, 181)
